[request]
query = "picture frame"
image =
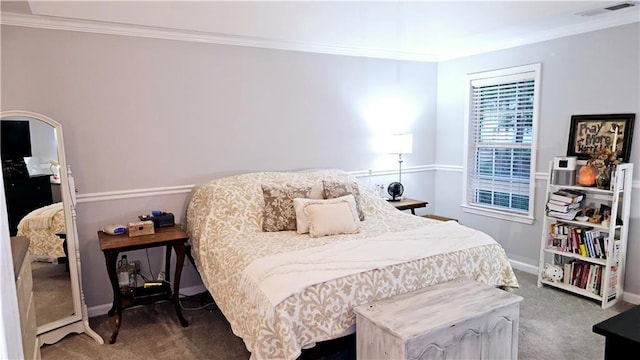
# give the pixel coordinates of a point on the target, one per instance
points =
(605, 211)
(591, 133)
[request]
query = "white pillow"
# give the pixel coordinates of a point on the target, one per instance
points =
(302, 222)
(332, 218)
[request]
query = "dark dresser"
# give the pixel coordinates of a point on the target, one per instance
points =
(621, 333)
(24, 195)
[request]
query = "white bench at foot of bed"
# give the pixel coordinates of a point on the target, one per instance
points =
(453, 320)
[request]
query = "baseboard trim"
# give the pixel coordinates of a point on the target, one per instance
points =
(631, 298)
(103, 309)
(530, 269)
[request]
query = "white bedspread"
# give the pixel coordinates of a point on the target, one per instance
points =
(269, 280)
(224, 222)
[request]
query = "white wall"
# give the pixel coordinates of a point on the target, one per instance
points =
(591, 73)
(143, 113)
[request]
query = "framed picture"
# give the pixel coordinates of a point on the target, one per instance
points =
(591, 133)
(605, 211)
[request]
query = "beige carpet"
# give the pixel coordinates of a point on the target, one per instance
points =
(51, 292)
(553, 325)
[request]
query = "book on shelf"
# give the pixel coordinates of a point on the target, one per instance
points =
(577, 239)
(613, 282)
(598, 243)
(566, 275)
(593, 282)
(575, 242)
(567, 196)
(583, 250)
(589, 242)
(561, 207)
(588, 283)
(583, 275)
(599, 287)
(577, 274)
(569, 215)
(598, 247)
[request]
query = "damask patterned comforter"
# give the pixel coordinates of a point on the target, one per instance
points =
(224, 221)
(41, 226)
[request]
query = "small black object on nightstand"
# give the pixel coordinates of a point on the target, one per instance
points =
(396, 190)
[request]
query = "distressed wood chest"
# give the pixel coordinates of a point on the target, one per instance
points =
(460, 319)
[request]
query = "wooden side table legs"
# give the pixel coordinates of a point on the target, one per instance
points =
(116, 309)
(180, 252)
(168, 237)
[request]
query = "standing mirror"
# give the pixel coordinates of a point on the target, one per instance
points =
(41, 205)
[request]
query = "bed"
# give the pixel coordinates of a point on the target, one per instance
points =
(282, 290)
(42, 226)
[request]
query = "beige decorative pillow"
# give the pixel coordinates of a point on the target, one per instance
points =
(334, 189)
(278, 206)
(302, 222)
(331, 218)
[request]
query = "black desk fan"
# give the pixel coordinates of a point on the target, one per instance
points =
(395, 189)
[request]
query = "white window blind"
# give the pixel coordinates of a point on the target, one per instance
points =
(502, 116)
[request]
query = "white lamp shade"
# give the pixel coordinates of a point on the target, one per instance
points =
(400, 144)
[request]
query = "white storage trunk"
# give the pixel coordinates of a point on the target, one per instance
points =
(454, 320)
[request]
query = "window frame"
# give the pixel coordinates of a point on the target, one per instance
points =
(501, 76)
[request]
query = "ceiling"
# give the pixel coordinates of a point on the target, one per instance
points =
(411, 30)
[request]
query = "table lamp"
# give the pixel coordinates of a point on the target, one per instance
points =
(399, 144)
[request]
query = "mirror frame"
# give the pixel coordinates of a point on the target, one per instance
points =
(52, 332)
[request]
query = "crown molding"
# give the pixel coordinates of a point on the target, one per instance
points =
(99, 27)
(601, 23)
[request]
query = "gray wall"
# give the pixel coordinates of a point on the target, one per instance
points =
(591, 73)
(144, 114)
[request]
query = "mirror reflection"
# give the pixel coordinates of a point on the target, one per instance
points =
(31, 171)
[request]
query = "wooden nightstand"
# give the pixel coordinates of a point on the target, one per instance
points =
(409, 204)
(438, 217)
(172, 237)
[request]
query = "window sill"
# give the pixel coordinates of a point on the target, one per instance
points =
(524, 219)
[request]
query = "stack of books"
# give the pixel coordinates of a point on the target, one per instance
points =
(580, 240)
(564, 203)
(585, 276)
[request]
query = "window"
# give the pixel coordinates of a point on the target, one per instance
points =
(501, 143)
